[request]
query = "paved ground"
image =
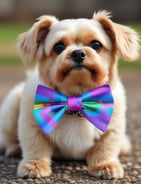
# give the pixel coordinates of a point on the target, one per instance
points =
(75, 172)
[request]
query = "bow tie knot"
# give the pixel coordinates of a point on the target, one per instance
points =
(96, 105)
(75, 103)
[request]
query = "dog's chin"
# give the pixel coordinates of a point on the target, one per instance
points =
(74, 79)
(79, 68)
(77, 79)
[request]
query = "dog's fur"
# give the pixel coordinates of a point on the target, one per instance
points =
(74, 137)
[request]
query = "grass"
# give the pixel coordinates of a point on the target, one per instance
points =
(8, 36)
(136, 26)
(9, 56)
(124, 65)
(9, 60)
(9, 32)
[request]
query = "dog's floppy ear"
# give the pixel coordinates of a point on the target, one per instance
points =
(30, 42)
(125, 39)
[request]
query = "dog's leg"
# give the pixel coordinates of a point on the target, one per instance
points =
(103, 159)
(126, 146)
(37, 152)
(8, 121)
(36, 147)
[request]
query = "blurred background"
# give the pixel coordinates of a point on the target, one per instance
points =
(17, 16)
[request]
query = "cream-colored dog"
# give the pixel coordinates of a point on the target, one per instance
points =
(97, 42)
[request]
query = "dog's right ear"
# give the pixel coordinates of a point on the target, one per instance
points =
(31, 41)
(125, 40)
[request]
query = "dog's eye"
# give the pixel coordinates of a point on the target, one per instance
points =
(96, 45)
(59, 47)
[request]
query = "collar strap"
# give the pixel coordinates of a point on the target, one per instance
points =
(78, 113)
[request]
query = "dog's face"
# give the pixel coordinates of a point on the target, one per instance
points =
(79, 54)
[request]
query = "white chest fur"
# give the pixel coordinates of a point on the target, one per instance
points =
(74, 136)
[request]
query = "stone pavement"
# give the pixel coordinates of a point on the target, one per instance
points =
(75, 172)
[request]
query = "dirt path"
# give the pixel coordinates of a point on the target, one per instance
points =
(75, 172)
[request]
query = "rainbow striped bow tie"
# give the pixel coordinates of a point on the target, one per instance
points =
(96, 105)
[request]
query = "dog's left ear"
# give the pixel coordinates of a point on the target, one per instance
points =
(30, 43)
(124, 39)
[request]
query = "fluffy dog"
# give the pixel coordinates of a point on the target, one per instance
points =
(74, 55)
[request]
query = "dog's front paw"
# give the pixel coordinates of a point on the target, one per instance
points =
(34, 169)
(108, 170)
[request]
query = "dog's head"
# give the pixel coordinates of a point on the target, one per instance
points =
(76, 55)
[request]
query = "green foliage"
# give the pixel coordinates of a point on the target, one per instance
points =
(9, 32)
(136, 26)
(9, 60)
(127, 65)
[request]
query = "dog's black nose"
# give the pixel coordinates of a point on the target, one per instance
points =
(78, 56)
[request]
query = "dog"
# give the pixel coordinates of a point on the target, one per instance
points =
(74, 56)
